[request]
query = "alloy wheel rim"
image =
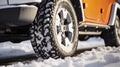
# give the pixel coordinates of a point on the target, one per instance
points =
(64, 27)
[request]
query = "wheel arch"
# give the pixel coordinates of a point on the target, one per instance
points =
(78, 7)
(115, 11)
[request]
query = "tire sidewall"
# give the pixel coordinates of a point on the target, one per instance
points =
(53, 32)
(116, 33)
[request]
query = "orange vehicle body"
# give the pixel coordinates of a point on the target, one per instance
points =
(97, 11)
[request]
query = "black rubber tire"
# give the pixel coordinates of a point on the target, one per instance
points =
(36, 29)
(43, 38)
(111, 37)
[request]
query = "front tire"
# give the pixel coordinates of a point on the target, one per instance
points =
(55, 32)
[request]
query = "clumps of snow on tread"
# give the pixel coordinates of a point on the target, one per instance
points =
(36, 31)
(47, 10)
(99, 57)
(41, 35)
(49, 4)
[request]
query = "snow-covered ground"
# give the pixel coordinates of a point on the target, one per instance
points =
(91, 42)
(9, 49)
(99, 57)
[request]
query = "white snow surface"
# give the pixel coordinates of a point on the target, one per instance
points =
(9, 49)
(91, 42)
(97, 57)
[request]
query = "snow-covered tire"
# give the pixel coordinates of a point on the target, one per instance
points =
(50, 39)
(112, 36)
(36, 29)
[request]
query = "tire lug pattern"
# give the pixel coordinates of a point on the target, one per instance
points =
(42, 41)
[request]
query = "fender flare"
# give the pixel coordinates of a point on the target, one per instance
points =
(83, 16)
(78, 7)
(115, 9)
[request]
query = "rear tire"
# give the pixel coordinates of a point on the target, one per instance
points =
(112, 36)
(46, 40)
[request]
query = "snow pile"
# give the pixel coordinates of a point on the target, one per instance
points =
(9, 49)
(91, 42)
(99, 57)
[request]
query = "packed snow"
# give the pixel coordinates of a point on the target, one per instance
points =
(9, 49)
(97, 57)
(91, 42)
